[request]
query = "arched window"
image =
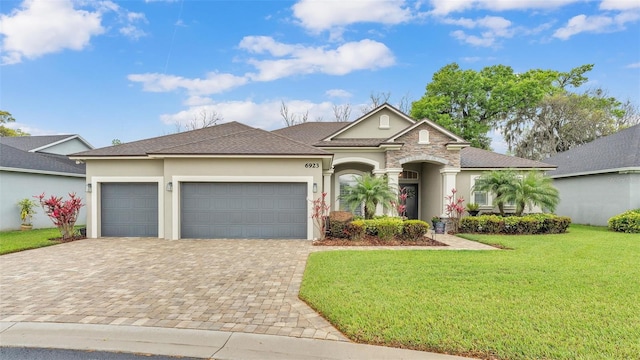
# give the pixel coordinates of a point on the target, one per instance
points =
(346, 180)
(423, 137)
(409, 175)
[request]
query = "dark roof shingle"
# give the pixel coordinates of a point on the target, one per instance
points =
(28, 143)
(311, 132)
(616, 151)
(12, 157)
(471, 157)
(224, 139)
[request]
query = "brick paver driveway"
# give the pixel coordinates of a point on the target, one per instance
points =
(231, 285)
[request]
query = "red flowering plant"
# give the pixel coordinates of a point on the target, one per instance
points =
(63, 213)
(320, 213)
(454, 209)
(401, 204)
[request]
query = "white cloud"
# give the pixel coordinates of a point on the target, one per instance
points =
(619, 4)
(595, 24)
(348, 57)
(444, 7)
(319, 15)
(339, 93)
(41, 27)
(132, 32)
(213, 83)
(492, 28)
(264, 115)
(633, 66)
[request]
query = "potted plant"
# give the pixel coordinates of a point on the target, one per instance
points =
(27, 209)
(473, 209)
(435, 220)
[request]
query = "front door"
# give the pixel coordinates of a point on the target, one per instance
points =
(412, 200)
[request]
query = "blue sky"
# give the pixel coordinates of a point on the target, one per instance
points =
(134, 69)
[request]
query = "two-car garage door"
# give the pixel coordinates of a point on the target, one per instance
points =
(209, 210)
(243, 210)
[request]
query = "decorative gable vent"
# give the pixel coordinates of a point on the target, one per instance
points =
(423, 137)
(384, 122)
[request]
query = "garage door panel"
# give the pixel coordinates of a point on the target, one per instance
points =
(129, 209)
(244, 210)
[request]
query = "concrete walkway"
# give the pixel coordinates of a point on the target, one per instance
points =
(219, 345)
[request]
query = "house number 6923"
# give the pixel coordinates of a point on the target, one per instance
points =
(312, 165)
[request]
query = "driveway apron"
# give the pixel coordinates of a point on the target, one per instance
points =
(230, 285)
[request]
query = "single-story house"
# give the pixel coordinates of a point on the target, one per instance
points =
(31, 165)
(236, 181)
(599, 179)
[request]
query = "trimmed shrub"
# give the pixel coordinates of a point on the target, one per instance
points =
(385, 227)
(355, 230)
(515, 225)
(338, 220)
(627, 222)
(414, 229)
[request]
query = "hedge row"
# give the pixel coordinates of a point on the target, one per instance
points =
(518, 225)
(386, 228)
(627, 222)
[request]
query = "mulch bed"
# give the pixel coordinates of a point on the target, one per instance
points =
(73, 238)
(369, 240)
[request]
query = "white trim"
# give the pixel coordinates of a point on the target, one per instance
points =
(161, 156)
(125, 179)
(507, 168)
(71, 137)
(128, 157)
(336, 185)
(43, 172)
(375, 164)
(433, 125)
(624, 170)
(369, 114)
(178, 180)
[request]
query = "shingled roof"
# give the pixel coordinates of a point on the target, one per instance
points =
(225, 139)
(15, 154)
(311, 132)
(474, 158)
(606, 154)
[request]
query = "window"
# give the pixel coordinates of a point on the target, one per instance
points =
(384, 121)
(479, 197)
(409, 175)
(423, 137)
(347, 180)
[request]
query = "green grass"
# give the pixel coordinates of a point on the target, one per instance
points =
(13, 241)
(567, 296)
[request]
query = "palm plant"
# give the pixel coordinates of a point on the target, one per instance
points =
(498, 182)
(370, 191)
(533, 189)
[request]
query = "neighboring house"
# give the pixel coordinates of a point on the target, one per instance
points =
(235, 181)
(31, 165)
(600, 179)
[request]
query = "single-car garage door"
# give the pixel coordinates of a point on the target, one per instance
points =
(244, 210)
(129, 209)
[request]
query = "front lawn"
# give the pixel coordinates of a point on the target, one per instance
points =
(566, 296)
(12, 241)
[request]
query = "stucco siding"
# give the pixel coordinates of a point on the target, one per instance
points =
(593, 199)
(67, 147)
(15, 186)
(431, 199)
(369, 128)
(375, 159)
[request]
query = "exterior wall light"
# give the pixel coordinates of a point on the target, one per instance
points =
(315, 187)
(88, 187)
(169, 186)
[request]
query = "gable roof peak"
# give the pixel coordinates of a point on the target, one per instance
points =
(369, 114)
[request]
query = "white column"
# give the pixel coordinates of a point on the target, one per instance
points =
(326, 185)
(393, 178)
(379, 173)
(448, 183)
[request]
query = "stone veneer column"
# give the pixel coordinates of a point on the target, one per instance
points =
(448, 183)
